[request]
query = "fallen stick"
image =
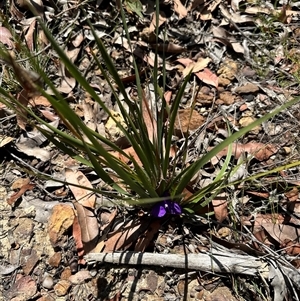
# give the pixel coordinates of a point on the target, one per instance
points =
(214, 262)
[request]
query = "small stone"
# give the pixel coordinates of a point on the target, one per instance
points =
(66, 273)
(80, 277)
(24, 230)
(60, 221)
(55, 259)
(61, 288)
(247, 88)
(48, 282)
(47, 297)
(287, 149)
(188, 120)
(226, 98)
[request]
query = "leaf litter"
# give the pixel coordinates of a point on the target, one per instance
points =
(228, 81)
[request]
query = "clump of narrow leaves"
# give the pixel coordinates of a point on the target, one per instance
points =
(151, 180)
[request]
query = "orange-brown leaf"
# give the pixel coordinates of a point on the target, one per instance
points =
(18, 194)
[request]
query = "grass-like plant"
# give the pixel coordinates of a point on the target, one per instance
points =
(152, 181)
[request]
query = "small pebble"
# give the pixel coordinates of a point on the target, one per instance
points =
(61, 288)
(48, 282)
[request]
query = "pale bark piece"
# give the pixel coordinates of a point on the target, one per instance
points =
(215, 261)
(8, 269)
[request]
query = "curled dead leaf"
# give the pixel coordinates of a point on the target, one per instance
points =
(83, 196)
(180, 9)
(220, 208)
(18, 194)
(259, 151)
(6, 37)
(208, 77)
(89, 227)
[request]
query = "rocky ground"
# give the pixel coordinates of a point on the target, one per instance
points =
(245, 60)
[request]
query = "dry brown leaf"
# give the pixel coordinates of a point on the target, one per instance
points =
(129, 151)
(220, 208)
(144, 240)
(76, 233)
(262, 219)
(293, 196)
(254, 10)
(260, 151)
(235, 17)
(185, 61)
(168, 96)
(40, 100)
(78, 40)
(123, 238)
(83, 196)
(264, 195)
(88, 112)
(235, 5)
(67, 84)
(223, 36)
(23, 98)
(196, 66)
(237, 47)
(162, 19)
(29, 35)
(194, 3)
(282, 233)
(291, 248)
(144, 56)
(18, 194)
(263, 237)
(106, 219)
(6, 37)
(293, 207)
(5, 140)
(73, 54)
(206, 12)
(208, 77)
(51, 116)
(89, 227)
(15, 12)
(180, 9)
(19, 183)
(149, 120)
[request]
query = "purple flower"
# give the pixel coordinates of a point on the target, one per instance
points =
(162, 208)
